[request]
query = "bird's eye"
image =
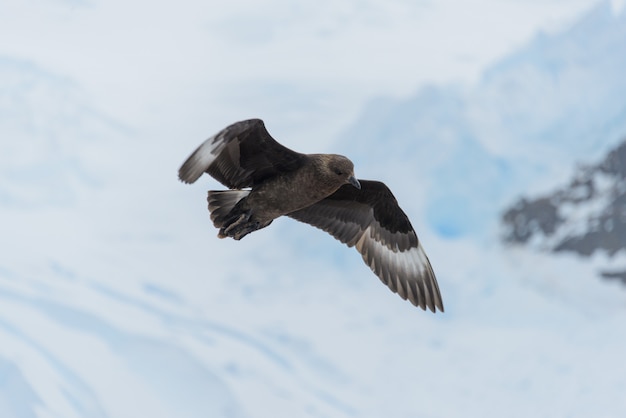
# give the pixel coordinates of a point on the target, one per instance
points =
(338, 172)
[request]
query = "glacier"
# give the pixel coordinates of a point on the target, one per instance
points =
(117, 300)
(529, 119)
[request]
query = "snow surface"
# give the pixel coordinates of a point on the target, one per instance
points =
(117, 300)
(556, 101)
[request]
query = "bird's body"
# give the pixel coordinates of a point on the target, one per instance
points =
(268, 180)
(269, 196)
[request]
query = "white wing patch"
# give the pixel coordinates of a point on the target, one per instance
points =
(407, 273)
(202, 158)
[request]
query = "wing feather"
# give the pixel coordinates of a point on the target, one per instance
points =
(240, 155)
(371, 220)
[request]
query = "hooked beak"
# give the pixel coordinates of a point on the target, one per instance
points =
(353, 181)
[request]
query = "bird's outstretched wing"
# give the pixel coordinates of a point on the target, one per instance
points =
(371, 220)
(240, 155)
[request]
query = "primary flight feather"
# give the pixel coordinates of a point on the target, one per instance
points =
(268, 180)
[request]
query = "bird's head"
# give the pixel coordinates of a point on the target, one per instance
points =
(341, 170)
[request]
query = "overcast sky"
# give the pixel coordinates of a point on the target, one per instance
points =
(202, 64)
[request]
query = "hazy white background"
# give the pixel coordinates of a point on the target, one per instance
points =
(117, 300)
(190, 67)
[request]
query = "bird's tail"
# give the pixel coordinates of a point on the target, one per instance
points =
(221, 204)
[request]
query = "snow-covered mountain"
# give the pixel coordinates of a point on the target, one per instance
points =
(117, 300)
(586, 216)
(532, 115)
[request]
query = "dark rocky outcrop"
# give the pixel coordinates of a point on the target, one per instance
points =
(587, 215)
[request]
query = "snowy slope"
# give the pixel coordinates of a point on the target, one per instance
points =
(117, 300)
(584, 216)
(529, 119)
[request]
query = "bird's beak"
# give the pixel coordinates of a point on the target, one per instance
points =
(353, 181)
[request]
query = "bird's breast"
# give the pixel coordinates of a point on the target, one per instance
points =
(285, 194)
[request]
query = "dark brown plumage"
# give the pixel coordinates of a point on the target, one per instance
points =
(268, 180)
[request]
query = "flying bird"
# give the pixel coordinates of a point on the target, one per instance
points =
(267, 180)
